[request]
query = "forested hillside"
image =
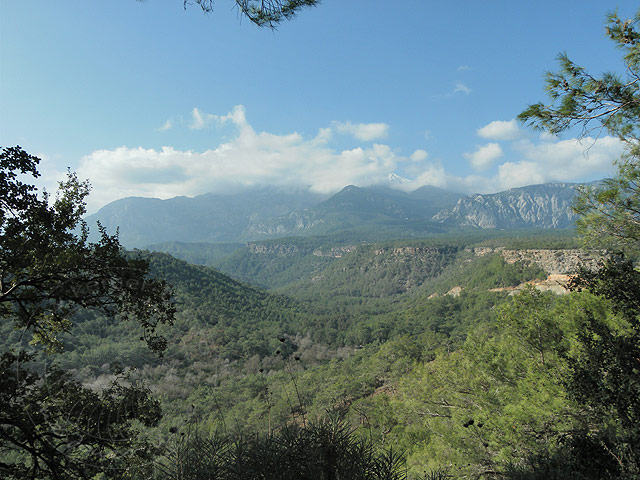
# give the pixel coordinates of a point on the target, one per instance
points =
(239, 359)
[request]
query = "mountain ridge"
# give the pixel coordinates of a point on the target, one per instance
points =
(359, 213)
(545, 205)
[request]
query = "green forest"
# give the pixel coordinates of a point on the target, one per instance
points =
(324, 357)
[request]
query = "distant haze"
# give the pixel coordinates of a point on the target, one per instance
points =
(354, 213)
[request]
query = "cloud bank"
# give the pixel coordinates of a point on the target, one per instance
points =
(500, 130)
(363, 131)
(484, 156)
(262, 158)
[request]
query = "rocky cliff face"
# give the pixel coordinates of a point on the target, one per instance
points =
(410, 251)
(554, 262)
(334, 252)
(281, 249)
(379, 271)
(286, 249)
(539, 206)
(291, 224)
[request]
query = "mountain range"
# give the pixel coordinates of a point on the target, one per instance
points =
(537, 206)
(355, 213)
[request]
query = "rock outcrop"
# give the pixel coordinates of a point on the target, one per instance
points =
(537, 206)
(552, 261)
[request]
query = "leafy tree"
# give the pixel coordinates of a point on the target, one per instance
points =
(51, 426)
(604, 365)
(598, 352)
(600, 103)
(610, 213)
(55, 428)
(48, 271)
(263, 13)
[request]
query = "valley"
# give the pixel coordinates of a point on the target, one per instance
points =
(402, 341)
(312, 326)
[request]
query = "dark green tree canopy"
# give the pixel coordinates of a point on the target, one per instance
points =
(53, 427)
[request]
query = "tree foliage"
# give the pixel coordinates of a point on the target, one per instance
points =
(607, 102)
(51, 426)
(495, 400)
(55, 428)
(606, 366)
(264, 13)
(603, 377)
(610, 213)
(48, 271)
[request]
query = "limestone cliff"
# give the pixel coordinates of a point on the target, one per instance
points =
(554, 262)
(535, 206)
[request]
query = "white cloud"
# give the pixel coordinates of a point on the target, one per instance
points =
(166, 126)
(433, 175)
(500, 130)
(323, 136)
(262, 158)
(519, 174)
(484, 156)
(200, 119)
(250, 158)
(458, 88)
(461, 88)
(463, 68)
(363, 131)
(419, 155)
(567, 160)
(548, 137)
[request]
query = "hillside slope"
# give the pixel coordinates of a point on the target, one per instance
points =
(210, 217)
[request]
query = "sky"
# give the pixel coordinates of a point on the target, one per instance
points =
(148, 98)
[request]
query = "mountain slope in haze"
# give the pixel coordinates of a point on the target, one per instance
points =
(352, 215)
(197, 253)
(210, 217)
(535, 206)
(362, 209)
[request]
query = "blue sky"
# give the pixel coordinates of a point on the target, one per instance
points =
(150, 99)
